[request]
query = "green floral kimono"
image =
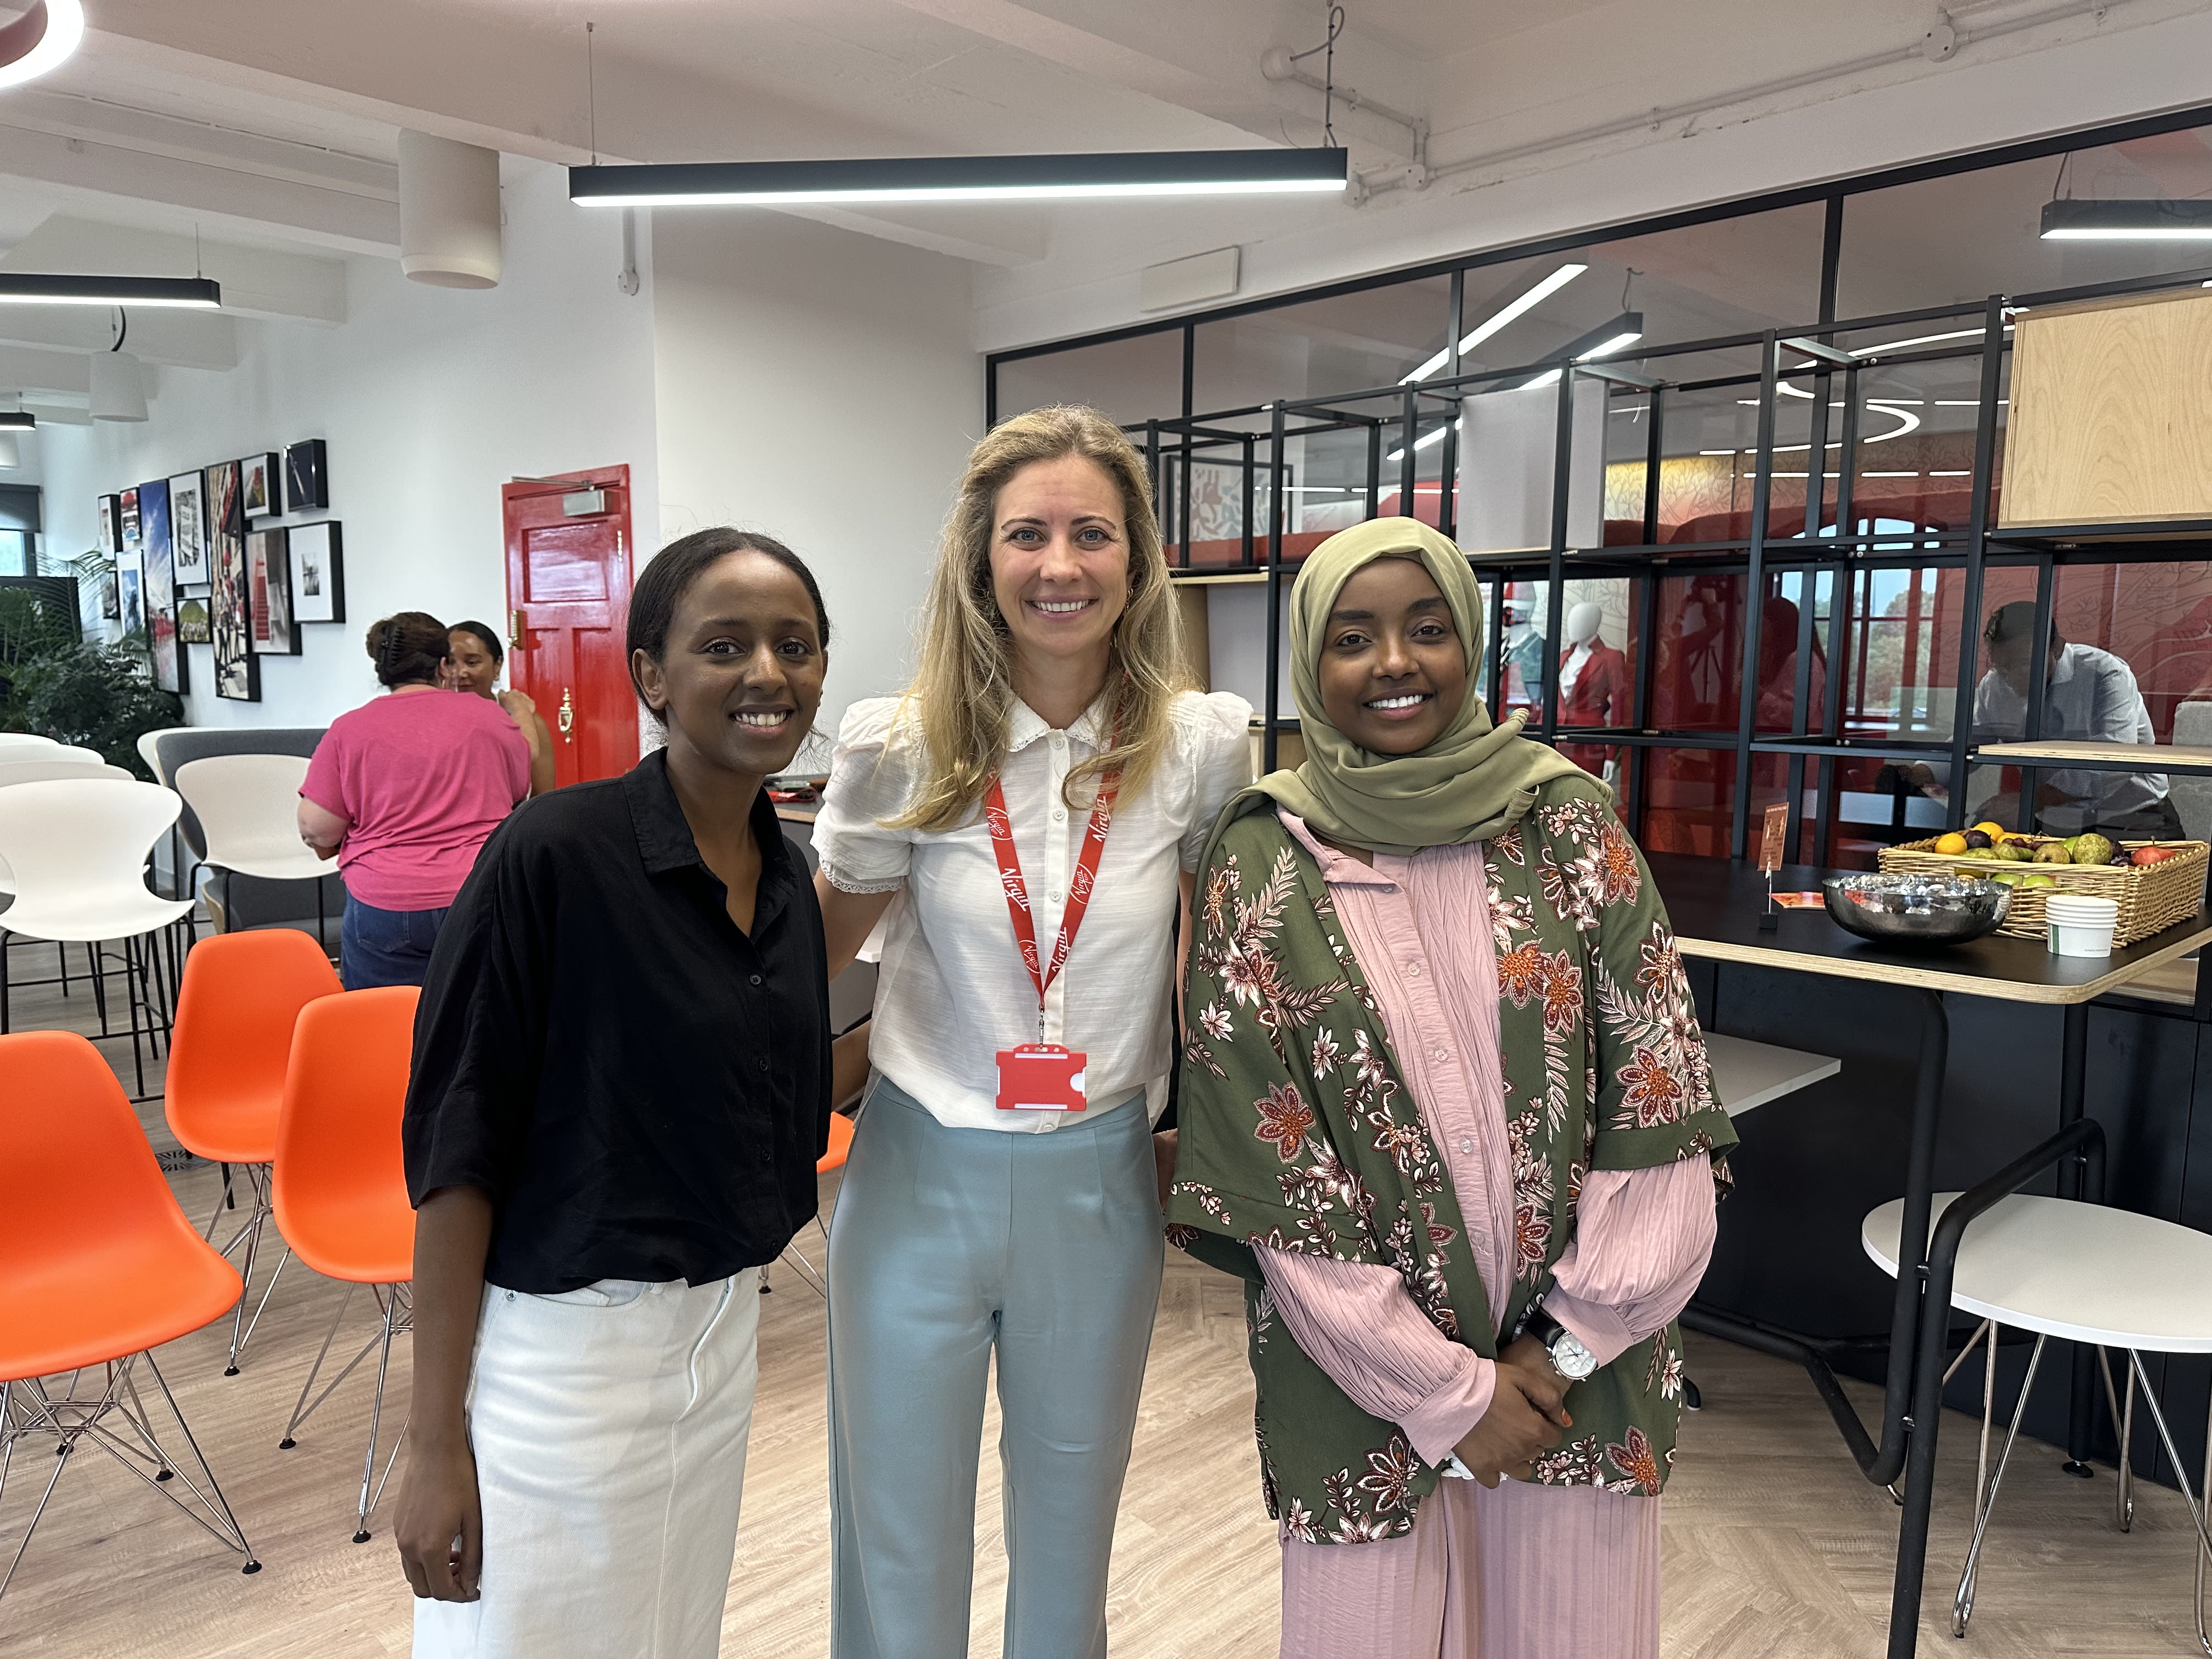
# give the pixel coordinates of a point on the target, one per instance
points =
(1298, 1133)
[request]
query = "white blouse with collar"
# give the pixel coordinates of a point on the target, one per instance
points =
(952, 990)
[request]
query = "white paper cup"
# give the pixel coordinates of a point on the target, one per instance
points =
(2077, 936)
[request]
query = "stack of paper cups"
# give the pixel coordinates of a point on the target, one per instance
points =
(2080, 927)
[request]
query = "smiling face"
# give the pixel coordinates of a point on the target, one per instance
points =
(740, 681)
(1059, 559)
(1393, 668)
(470, 666)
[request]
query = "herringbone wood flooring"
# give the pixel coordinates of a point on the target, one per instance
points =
(1776, 1548)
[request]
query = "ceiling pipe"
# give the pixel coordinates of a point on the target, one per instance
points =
(1991, 20)
(1277, 64)
(448, 212)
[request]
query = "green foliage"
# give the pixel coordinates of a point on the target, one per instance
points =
(31, 628)
(100, 697)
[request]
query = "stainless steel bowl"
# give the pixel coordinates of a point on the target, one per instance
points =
(1917, 909)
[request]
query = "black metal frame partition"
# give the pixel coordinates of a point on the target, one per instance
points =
(1826, 545)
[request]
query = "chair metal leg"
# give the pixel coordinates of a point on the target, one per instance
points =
(2203, 1640)
(2123, 1430)
(27, 1408)
(1962, 1605)
(388, 1304)
(302, 1410)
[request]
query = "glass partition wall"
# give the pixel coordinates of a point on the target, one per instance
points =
(1731, 483)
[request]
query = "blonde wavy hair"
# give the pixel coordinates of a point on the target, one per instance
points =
(962, 698)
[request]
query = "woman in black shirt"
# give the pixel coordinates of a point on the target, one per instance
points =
(622, 1081)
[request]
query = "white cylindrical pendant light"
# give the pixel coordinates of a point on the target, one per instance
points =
(118, 390)
(448, 212)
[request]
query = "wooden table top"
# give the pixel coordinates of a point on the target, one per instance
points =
(2097, 756)
(1714, 905)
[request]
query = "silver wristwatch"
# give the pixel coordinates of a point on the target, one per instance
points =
(1569, 1357)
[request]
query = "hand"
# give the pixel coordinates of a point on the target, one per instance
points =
(517, 704)
(440, 1527)
(1531, 1364)
(1164, 1162)
(1513, 1433)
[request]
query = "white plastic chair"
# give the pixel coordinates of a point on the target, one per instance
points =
(27, 741)
(15, 769)
(2082, 1272)
(248, 807)
(78, 847)
(149, 750)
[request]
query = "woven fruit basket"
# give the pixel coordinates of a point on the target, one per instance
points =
(2152, 897)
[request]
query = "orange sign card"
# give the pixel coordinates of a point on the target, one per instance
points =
(1774, 837)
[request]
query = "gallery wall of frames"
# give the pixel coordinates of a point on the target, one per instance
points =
(229, 556)
(1621, 431)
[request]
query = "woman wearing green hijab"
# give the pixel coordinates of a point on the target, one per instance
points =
(1445, 1108)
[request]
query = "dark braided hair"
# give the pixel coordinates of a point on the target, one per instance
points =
(408, 648)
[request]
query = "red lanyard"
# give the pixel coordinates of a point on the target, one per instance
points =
(1079, 886)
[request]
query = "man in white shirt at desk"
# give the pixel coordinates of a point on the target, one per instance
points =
(2089, 695)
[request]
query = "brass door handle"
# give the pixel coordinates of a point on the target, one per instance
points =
(567, 718)
(517, 637)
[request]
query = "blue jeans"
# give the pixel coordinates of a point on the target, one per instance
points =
(386, 947)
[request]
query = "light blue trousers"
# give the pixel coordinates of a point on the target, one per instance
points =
(948, 1243)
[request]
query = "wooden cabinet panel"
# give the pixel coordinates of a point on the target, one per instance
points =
(2110, 420)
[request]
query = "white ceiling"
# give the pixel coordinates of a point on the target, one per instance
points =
(272, 125)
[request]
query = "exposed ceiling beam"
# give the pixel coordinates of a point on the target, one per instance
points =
(991, 236)
(204, 190)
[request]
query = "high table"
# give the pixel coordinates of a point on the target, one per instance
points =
(1715, 906)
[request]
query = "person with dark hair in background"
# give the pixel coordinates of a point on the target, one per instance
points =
(623, 1077)
(403, 792)
(474, 657)
(2090, 695)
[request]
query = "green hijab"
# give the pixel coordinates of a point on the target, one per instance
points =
(1476, 781)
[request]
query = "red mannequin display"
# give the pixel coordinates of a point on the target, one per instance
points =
(1598, 694)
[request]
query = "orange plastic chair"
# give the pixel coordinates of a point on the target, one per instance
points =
(236, 1009)
(98, 1267)
(840, 1145)
(341, 1189)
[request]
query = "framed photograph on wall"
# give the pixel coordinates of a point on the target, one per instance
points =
(307, 476)
(107, 518)
(188, 529)
(194, 627)
(261, 485)
(230, 614)
(157, 558)
(318, 557)
(127, 518)
(129, 593)
(269, 583)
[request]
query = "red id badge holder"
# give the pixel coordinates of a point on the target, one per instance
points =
(1040, 1077)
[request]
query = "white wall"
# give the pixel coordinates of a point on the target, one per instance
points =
(818, 386)
(429, 399)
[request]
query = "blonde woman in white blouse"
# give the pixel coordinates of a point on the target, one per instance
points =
(1001, 1192)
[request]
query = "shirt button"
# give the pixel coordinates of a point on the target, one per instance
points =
(1440, 1054)
(1466, 1145)
(764, 1062)
(1060, 815)
(1412, 970)
(757, 979)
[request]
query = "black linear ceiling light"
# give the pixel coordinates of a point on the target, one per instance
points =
(2117, 220)
(200, 293)
(962, 178)
(17, 420)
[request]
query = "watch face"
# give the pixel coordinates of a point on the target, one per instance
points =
(1569, 1359)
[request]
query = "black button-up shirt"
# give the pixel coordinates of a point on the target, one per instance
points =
(642, 1088)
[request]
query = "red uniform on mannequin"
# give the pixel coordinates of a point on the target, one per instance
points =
(1598, 694)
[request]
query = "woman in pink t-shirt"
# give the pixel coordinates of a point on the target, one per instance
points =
(404, 792)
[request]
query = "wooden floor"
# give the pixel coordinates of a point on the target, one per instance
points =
(1774, 1544)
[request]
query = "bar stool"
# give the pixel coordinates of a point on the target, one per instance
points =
(2083, 1272)
(840, 1146)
